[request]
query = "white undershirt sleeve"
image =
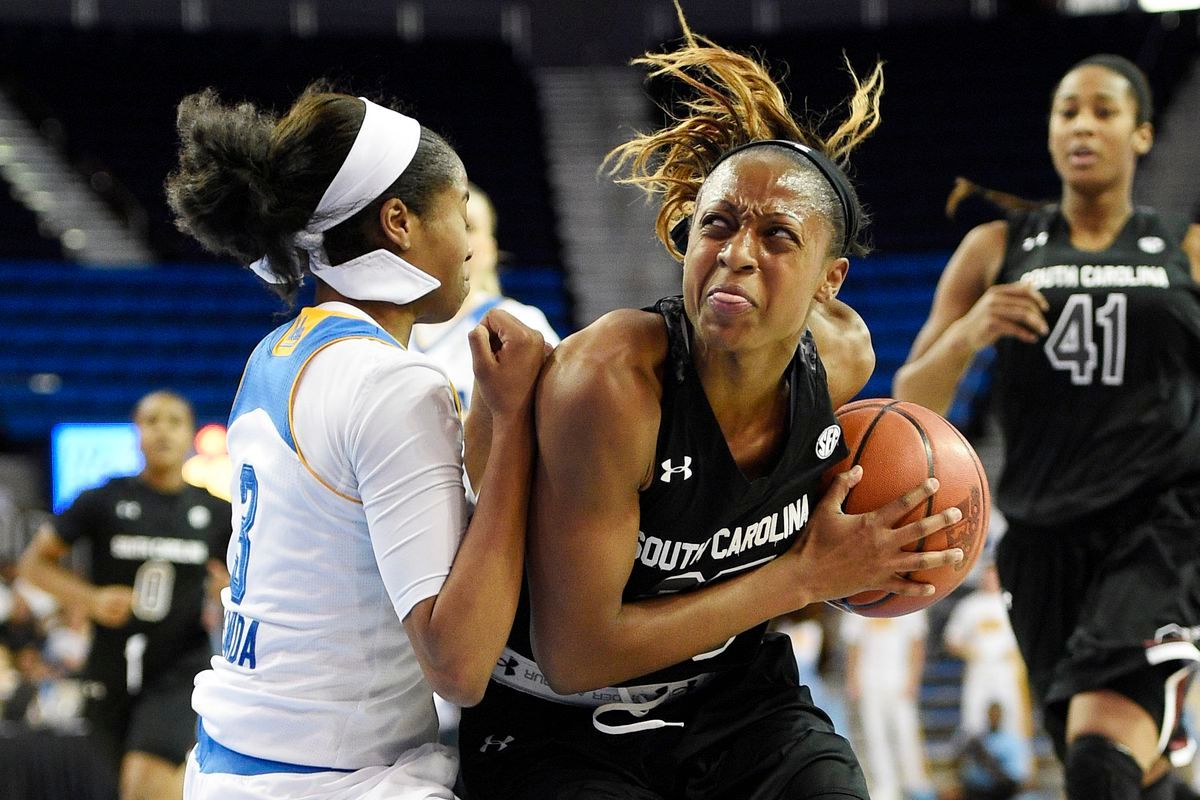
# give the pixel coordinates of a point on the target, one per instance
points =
(378, 424)
(405, 442)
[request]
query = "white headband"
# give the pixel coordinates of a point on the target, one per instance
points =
(382, 150)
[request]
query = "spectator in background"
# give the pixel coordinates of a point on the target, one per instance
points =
(994, 764)
(446, 342)
(152, 537)
(978, 632)
(885, 658)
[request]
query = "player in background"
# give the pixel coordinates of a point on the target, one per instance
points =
(978, 632)
(1093, 308)
(154, 540)
(447, 342)
(885, 658)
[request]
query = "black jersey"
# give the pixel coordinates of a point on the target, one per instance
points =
(702, 520)
(159, 544)
(1110, 400)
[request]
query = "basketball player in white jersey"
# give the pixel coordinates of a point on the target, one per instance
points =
(884, 660)
(978, 632)
(357, 586)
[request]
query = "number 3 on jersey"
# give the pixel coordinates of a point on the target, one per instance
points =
(249, 498)
(1071, 344)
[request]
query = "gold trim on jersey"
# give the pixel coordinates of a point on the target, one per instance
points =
(305, 323)
(292, 402)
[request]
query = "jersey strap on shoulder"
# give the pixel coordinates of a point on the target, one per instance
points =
(277, 362)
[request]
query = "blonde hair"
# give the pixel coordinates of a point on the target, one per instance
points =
(1003, 201)
(735, 101)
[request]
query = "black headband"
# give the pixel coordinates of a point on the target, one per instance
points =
(1138, 81)
(851, 211)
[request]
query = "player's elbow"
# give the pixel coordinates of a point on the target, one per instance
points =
(567, 673)
(902, 383)
(862, 358)
(461, 684)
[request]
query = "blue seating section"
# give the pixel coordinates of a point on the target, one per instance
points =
(893, 294)
(84, 344)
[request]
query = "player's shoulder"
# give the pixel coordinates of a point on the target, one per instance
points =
(115, 488)
(360, 361)
(626, 343)
(611, 367)
(990, 236)
(198, 496)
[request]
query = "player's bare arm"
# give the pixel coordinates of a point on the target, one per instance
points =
(458, 634)
(1191, 246)
(844, 344)
(109, 606)
(969, 313)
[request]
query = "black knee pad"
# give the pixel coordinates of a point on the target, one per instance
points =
(1098, 768)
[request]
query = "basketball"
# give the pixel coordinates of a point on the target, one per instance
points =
(899, 445)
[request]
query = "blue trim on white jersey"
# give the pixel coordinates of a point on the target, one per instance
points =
(214, 757)
(268, 379)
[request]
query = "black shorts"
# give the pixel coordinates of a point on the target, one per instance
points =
(752, 734)
(157, 720)
(1094, 601)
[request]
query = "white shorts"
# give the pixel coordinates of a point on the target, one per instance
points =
(425, 773)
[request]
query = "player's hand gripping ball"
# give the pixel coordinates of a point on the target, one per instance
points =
(899, 445)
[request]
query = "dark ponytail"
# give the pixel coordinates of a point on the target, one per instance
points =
(247, 182)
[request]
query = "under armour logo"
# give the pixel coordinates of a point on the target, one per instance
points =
(128, 509)
(509, 665)
(499, 744)
(669, 470)
(1035, 241)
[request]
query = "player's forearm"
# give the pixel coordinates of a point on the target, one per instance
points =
(477, 435)
(648, 635)
(474, 610)
(932, 379)
(67, 587)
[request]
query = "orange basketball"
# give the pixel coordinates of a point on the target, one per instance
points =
(899, 445)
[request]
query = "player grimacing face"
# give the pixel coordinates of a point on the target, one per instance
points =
(758, 253)
(1095, 137)
(165, 430)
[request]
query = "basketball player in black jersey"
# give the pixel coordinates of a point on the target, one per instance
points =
(678, 501)
(1093, 307)
(154, 542)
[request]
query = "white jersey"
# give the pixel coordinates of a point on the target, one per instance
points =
(447, 344)
(885, 646)
(348, 508)
(979, 629)
(894, 758)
